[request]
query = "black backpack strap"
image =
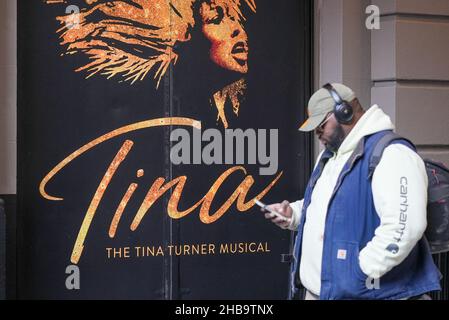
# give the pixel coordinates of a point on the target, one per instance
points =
(379, 148)
(438, 180)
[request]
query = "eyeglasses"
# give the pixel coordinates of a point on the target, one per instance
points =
(321, 125)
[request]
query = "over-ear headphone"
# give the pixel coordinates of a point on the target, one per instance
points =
(342, 110)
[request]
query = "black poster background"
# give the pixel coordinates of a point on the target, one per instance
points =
(60, 111)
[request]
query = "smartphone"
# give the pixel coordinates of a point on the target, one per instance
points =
(264, 207)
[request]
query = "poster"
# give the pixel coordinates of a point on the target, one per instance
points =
(147, 129)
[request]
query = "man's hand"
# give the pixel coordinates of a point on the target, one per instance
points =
(283, 209)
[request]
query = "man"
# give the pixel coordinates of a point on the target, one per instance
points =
(359, 236)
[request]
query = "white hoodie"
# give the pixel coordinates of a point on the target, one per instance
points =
(399, 168)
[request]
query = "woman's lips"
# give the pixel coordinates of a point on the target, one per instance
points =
(240, 52)
(239, 47)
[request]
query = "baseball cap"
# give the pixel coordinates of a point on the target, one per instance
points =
(321, 103)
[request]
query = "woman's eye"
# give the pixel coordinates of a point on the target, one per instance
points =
(217, 17)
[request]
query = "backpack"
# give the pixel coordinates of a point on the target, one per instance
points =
(437, 231)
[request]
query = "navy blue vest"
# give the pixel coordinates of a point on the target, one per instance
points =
(350, 224)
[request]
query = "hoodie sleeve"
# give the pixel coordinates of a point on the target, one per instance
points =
(296, 217)
(297, 206)
(399, 187)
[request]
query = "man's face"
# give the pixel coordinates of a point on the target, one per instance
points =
(331, 133)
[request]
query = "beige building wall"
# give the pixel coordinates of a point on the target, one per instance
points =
(8, 96)
(343, 47)
(410, 71)
(403, 66)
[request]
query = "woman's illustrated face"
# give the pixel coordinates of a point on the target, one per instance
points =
(229, 41)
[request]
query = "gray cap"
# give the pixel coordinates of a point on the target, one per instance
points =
(321, 103)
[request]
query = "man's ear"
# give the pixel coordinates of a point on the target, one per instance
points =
(356, 106)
